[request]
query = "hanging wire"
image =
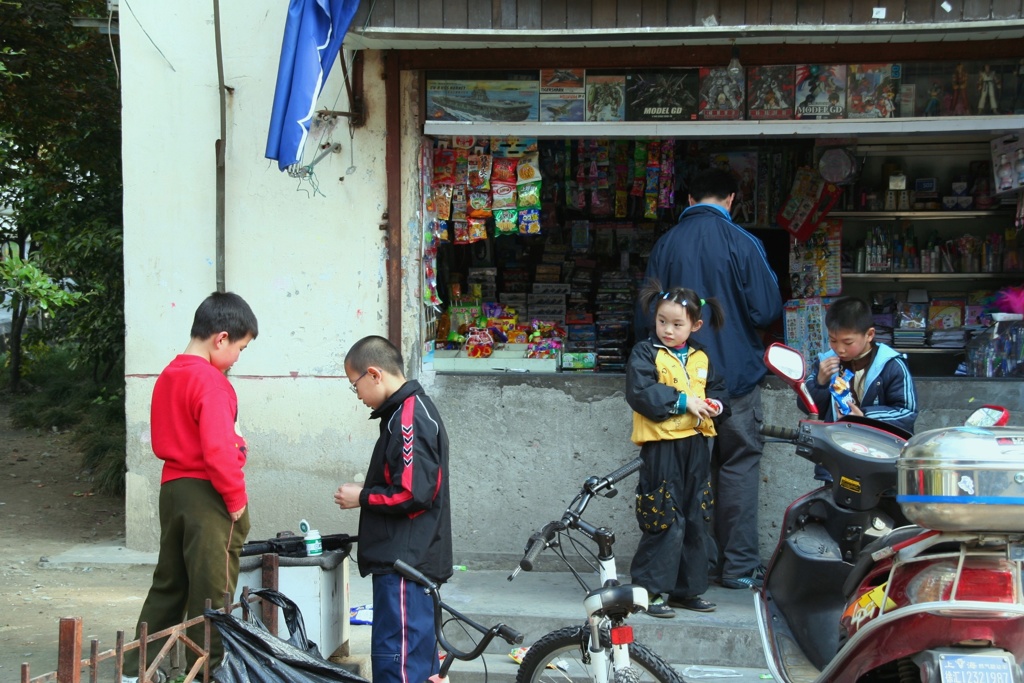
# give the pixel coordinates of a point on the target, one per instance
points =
(113, 52)
(148, 36)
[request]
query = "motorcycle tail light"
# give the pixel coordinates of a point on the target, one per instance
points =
(622, 635)
(982, 580)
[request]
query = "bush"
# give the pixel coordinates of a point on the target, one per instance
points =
(65, 396)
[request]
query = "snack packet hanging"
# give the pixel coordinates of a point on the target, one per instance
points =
(503, 196)
(461, 166)
(479, 205)
(444, 166)
(443, 201)
(477, 229)
(505, 222)
(529, 222)
(529, 195)
(528, 168)
(459, 203)
(840, 390)
(503, 170)
(480, 171)
(461, 229)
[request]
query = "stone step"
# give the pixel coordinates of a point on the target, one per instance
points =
(540, 602)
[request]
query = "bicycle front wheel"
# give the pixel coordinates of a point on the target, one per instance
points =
(562, 656)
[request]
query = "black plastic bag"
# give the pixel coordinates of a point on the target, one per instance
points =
(253, 655)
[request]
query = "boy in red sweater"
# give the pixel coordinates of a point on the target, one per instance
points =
(204, 516)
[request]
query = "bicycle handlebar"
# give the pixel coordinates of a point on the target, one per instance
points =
(572, 518)
(784, 433)
(537, 543)
(624, 471)
(507, 633)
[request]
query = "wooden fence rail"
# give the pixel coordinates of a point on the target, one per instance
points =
(71, 666)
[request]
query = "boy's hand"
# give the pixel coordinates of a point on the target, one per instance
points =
(828, 367)
(237, 514)
(347, 496)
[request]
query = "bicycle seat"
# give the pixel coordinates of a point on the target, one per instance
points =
(618, 600)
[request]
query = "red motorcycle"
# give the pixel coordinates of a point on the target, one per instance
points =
(907, 567)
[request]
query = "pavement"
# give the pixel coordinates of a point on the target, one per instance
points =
(723, 644)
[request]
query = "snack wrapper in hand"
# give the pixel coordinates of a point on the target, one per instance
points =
(715, 405)
(840, 390)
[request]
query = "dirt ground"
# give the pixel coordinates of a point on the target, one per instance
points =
(47, 506)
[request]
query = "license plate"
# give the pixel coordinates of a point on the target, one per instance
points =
(954, 668)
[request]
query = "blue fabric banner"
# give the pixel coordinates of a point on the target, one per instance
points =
(313, 34)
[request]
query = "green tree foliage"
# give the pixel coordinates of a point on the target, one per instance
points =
(60, 171)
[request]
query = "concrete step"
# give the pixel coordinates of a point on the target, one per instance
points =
(540, 602)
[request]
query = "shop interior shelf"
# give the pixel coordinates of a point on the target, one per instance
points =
(988, 126)
(909, 277)
(919, 215)
(926, 349)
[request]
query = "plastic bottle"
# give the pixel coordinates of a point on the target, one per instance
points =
(314, 543)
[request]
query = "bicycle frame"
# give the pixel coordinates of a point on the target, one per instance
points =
(612, 603)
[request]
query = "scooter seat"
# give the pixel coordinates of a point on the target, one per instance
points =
(864, 560)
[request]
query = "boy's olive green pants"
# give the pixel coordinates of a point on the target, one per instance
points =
(199, 550)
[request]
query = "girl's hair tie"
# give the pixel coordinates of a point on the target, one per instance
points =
(702, 302)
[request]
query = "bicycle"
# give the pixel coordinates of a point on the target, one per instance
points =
(510, 635)
(568, 653)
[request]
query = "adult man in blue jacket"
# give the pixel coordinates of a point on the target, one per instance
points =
(709, 253)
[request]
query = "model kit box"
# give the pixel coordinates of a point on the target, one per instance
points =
(722, 94)
(820, 91)
(606, 97)
(662, 95)
(578, 361)
(770, 92)
(483, 100)
(562, 106)
(873, 91)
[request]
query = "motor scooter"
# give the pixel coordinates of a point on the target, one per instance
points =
(907, 566)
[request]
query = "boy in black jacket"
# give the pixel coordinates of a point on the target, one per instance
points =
(404, 510)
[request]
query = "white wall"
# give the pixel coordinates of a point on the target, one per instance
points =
(312, 267)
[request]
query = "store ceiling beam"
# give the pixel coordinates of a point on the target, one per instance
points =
(798, 37)
(692, 54)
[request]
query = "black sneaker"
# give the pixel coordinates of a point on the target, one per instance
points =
(755, 579)
(695, 604)
(657, 607)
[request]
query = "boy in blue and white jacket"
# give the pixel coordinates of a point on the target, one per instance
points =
(881, 389)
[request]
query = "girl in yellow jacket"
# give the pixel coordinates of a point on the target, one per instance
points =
(676, 396)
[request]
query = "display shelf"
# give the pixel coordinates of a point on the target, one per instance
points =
(915, 277)
(938, 125)
(926, 349)
(920, 215)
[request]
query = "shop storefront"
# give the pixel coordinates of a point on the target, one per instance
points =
(886, 180)
(607, 189)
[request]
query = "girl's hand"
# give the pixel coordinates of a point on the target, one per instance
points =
(699, 408)
(715, 406)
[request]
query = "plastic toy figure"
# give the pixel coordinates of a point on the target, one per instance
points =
(989, 84)
(1018, 100)
(959, 105)
(1004, 173)
(934, 95)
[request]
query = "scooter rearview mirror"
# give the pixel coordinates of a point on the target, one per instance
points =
(788, 364)
(988, 416)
